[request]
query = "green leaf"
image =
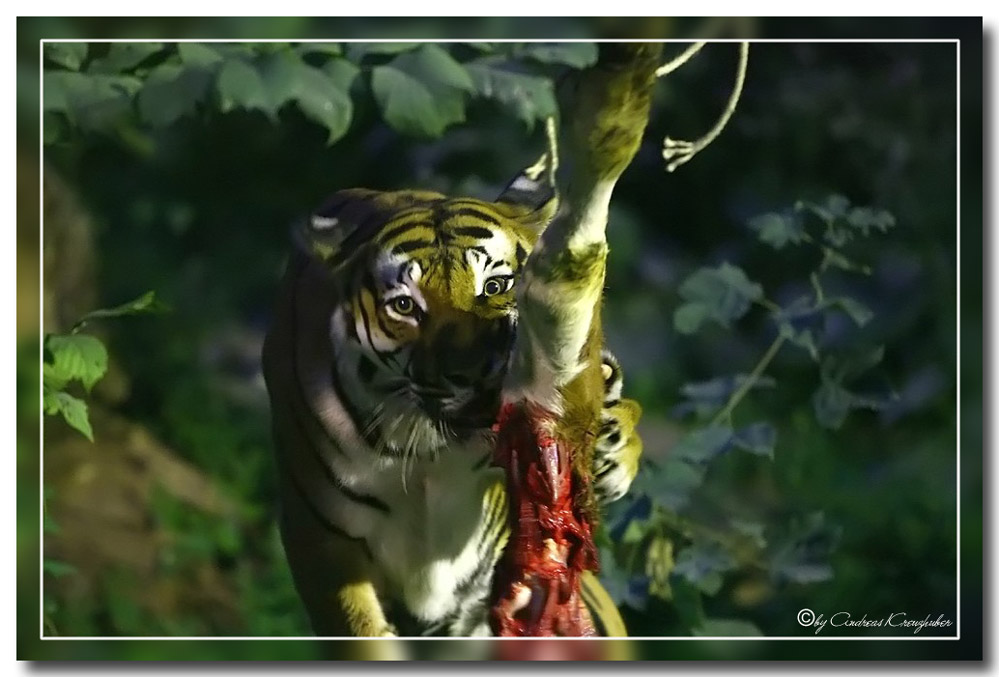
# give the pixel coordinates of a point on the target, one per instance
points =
(58, 569)
(688, 603)
(634, 532)
(757, 438)
(706, 397)
(754, 531)
(171, 92)
(74, 411)
(832, 402)
(727, 627)
(703, 445)
(279, 73)
(50, 391)
(358, 50)
(574, 54)
(54, 127)
(801, 321)
(124, 56)
(801, 556)
(672, 483)
(721, 294)
(421, 93)
(323, 101)
(49, 525)
(702, 562)
(145, 304)
(844, 368)
(196, 54)
(866, 219)
(341, 72)
(330, 48)
(54, 94)
(239, 85)
(834, 207)
(530, 97)
(688, 318)
(67, 54)
(320, 97)
(77, 357)
(836, 259)
(778, 230)
(857, 311)
(837, 205)
(92, 102)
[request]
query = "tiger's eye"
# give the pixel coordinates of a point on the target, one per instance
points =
(403, 305)
(496, 285)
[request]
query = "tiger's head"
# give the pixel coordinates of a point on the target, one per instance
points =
(427, 313)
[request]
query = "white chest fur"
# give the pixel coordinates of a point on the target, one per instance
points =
(429, 544)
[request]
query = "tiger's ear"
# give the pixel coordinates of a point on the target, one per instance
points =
(336, 232)
(531, 197)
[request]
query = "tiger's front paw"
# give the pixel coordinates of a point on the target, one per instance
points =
(618, 446)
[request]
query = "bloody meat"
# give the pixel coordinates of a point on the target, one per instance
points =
(536, 590)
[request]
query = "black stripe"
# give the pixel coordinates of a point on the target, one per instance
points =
(371, 437)
(395, 231)
(494, 510)
(369, 501)
(385, 329)
(294, 368)
(412, 245)
(334, 479)
(477, 213)
(385, 357)
(477, 232)
(324, 521)
(521, 254)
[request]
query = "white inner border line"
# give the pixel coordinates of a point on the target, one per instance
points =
(41, 463)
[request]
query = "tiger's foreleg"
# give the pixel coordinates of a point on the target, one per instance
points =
(331, 574)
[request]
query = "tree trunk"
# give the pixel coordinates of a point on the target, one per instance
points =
(554, 391)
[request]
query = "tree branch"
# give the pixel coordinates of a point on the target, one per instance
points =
(681, 152)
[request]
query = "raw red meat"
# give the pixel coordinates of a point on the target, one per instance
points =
(536, 590)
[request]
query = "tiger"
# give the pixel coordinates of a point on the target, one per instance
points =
(384, 363)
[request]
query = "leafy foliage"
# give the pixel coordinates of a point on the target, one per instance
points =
(682, 560)
(422, 92)
(81, 358)
(529, 97)
(721, 294)
(421, 89)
